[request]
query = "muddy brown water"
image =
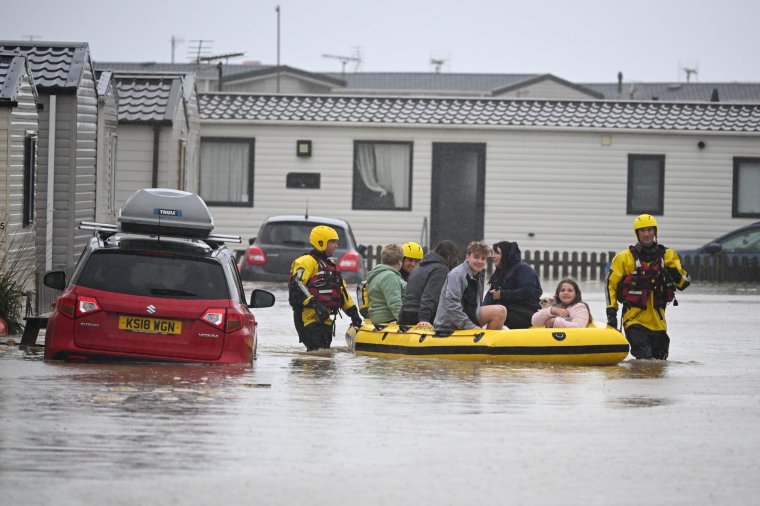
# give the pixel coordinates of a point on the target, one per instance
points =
(336, 428)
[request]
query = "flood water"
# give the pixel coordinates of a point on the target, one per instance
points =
(334, 428)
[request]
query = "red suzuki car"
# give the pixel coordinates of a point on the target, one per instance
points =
(160, 287)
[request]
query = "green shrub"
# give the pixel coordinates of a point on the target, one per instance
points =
(16, 275)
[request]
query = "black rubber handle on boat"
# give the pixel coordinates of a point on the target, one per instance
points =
(478, 337)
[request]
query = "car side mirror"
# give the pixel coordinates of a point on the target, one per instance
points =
(362, 249)
(55, 279)
(713, 248)
(261, 298)
(251, 240)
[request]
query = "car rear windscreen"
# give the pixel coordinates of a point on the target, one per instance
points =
(287, 233)
(154, 274)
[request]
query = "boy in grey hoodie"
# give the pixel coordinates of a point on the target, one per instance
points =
(459, 306)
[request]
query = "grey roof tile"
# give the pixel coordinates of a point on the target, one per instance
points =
(57, 67)
(660, 116)
(148, 98)
(13, 67)
(727, 92)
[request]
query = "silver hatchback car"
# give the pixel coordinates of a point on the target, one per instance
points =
(282, 239)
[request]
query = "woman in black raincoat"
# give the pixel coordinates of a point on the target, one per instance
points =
(514, 284)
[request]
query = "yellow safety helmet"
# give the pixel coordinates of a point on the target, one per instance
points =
(644, 221)
(320, 235)
(413, 250)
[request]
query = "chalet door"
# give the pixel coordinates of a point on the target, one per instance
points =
(457, 198)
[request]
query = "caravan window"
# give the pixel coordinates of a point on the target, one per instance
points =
(646, 184)
(227, 171)
(30, 168)
(746, 200)
(382, 175)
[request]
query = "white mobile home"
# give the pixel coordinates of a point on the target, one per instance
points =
(19, 125)
(554, 175)
(105, 209)
(65, 196)
(158, 133)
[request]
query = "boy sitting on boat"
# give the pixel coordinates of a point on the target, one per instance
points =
(385, 286)
(459, 305)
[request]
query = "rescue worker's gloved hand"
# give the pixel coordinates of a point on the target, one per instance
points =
(356, 320)
(321, 311)
(674, 274)
(612, 317)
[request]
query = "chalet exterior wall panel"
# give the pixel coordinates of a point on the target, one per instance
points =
(83, 188)
(192, 140)
(107, 143)
(19, 121)
(135, 161)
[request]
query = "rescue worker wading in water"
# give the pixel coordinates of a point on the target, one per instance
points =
(644, 278)
(317, 291)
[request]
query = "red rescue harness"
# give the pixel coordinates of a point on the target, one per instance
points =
(326, 285)
(648, 278)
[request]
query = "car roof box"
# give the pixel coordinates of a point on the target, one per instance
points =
(161, 211)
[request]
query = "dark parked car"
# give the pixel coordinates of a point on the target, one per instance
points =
(159, 287)
(741, 243)
(282, 239)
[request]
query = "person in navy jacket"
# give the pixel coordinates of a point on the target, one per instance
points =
(514, 284)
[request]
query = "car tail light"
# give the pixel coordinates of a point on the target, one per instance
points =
(235, 320)
(255, 256)
(87, 305)
(75, 306)
(228, 320)
(349, 262)
(214, 317)
(67, 304)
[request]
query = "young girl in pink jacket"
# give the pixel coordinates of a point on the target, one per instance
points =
(568, 311)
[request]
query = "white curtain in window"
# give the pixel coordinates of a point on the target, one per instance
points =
(365, 163)
(393, 171)
(224, 171)
(384, 168)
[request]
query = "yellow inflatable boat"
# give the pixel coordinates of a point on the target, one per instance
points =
(596, 344)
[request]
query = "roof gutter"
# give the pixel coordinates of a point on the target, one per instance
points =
(356, 124)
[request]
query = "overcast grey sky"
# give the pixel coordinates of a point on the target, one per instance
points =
(578, 40)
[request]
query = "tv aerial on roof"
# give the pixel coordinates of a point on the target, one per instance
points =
(437, 63)
(356, 59)
(689, 68)
(219, 57)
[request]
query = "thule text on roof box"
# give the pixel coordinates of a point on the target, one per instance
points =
(161, 211)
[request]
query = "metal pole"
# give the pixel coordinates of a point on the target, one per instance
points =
(278, 47)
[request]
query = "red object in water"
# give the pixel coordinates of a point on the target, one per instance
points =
(3, 328)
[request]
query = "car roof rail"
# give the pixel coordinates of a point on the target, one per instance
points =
(106, 230)
(217, 240)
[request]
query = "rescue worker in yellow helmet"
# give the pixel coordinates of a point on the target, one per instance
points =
(643, 278)
(412, 255)
(317, 291)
